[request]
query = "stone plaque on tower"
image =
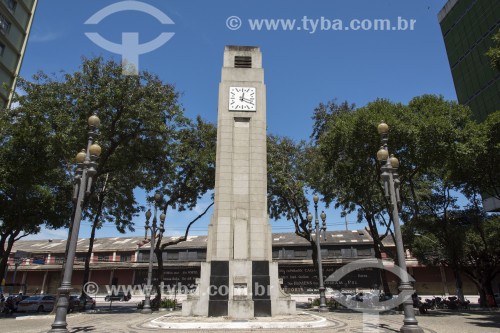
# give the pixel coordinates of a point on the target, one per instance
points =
(239, 279)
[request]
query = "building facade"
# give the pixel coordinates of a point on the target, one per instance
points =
(124, 261)
(468, 27)
(16, 17)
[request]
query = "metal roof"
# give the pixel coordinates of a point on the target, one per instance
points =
(124, 244)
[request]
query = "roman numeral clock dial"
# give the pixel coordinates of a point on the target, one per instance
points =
(242, 99)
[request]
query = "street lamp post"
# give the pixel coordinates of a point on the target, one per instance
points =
(318, 230)
(86, 169)
(147, 295)
(389, 169)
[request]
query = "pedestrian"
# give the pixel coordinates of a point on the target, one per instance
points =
(9, 306)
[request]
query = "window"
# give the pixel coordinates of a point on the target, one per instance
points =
(349, 253)
(59, 260)
(11, 4)
(172, 255)
(125, 258)
(288, 254)
(276, 254)
(4, 25)
(334, 253)
(364, 252)
(2, 49)
(103, 258)
(188, 255)
(300, 253)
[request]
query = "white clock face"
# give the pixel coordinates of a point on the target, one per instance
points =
(242, 99)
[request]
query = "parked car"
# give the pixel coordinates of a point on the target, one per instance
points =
(120, 296)
(75, 300)
(38, 303)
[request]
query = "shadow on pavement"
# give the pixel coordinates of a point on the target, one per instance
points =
(486, 320)
(83, 329)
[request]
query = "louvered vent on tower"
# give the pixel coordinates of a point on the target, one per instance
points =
(242, 62)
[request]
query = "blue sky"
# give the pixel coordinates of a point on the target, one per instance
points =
(302, 68)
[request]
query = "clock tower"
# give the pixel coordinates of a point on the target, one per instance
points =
(239, 279)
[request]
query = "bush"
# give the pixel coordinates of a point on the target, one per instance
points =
(168, 303)
(330, 302)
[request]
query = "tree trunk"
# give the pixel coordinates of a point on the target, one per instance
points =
(458, 283)
(482, 294)
(488, 289)
(483, 303)
(5, 255)
(97, 217)
(378, 254)
(382, 272)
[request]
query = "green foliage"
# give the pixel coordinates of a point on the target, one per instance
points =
(187, 176)
(288, 164)
(330, 302)
(494, 51)
(189, 172)
(168, 303)
(286, 178)
(423, 135)
(475, 168)
(140, 117)
(465, 240)
(34, 179)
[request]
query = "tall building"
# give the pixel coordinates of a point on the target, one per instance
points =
(467, 27)
(16, 17)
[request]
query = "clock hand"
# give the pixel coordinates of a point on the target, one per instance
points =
(247, 100)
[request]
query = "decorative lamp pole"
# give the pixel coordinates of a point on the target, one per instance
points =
(389, 168)
(85, 171)
(318, 230)
(147, 295)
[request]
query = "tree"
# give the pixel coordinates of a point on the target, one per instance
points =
(464, 240)
(494, 51)
(35, 184)
(287, 184)
(475, 168)
(423, 134)
(188, 175)
(481, 261)
(139, 118)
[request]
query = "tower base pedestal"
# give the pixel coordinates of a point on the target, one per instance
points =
(238, 289)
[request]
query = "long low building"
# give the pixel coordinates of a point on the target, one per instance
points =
(35, 265)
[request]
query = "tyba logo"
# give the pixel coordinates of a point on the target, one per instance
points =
(130, 49)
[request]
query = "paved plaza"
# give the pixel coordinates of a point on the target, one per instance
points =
(126, 319)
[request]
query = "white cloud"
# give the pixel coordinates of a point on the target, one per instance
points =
(39, 37)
